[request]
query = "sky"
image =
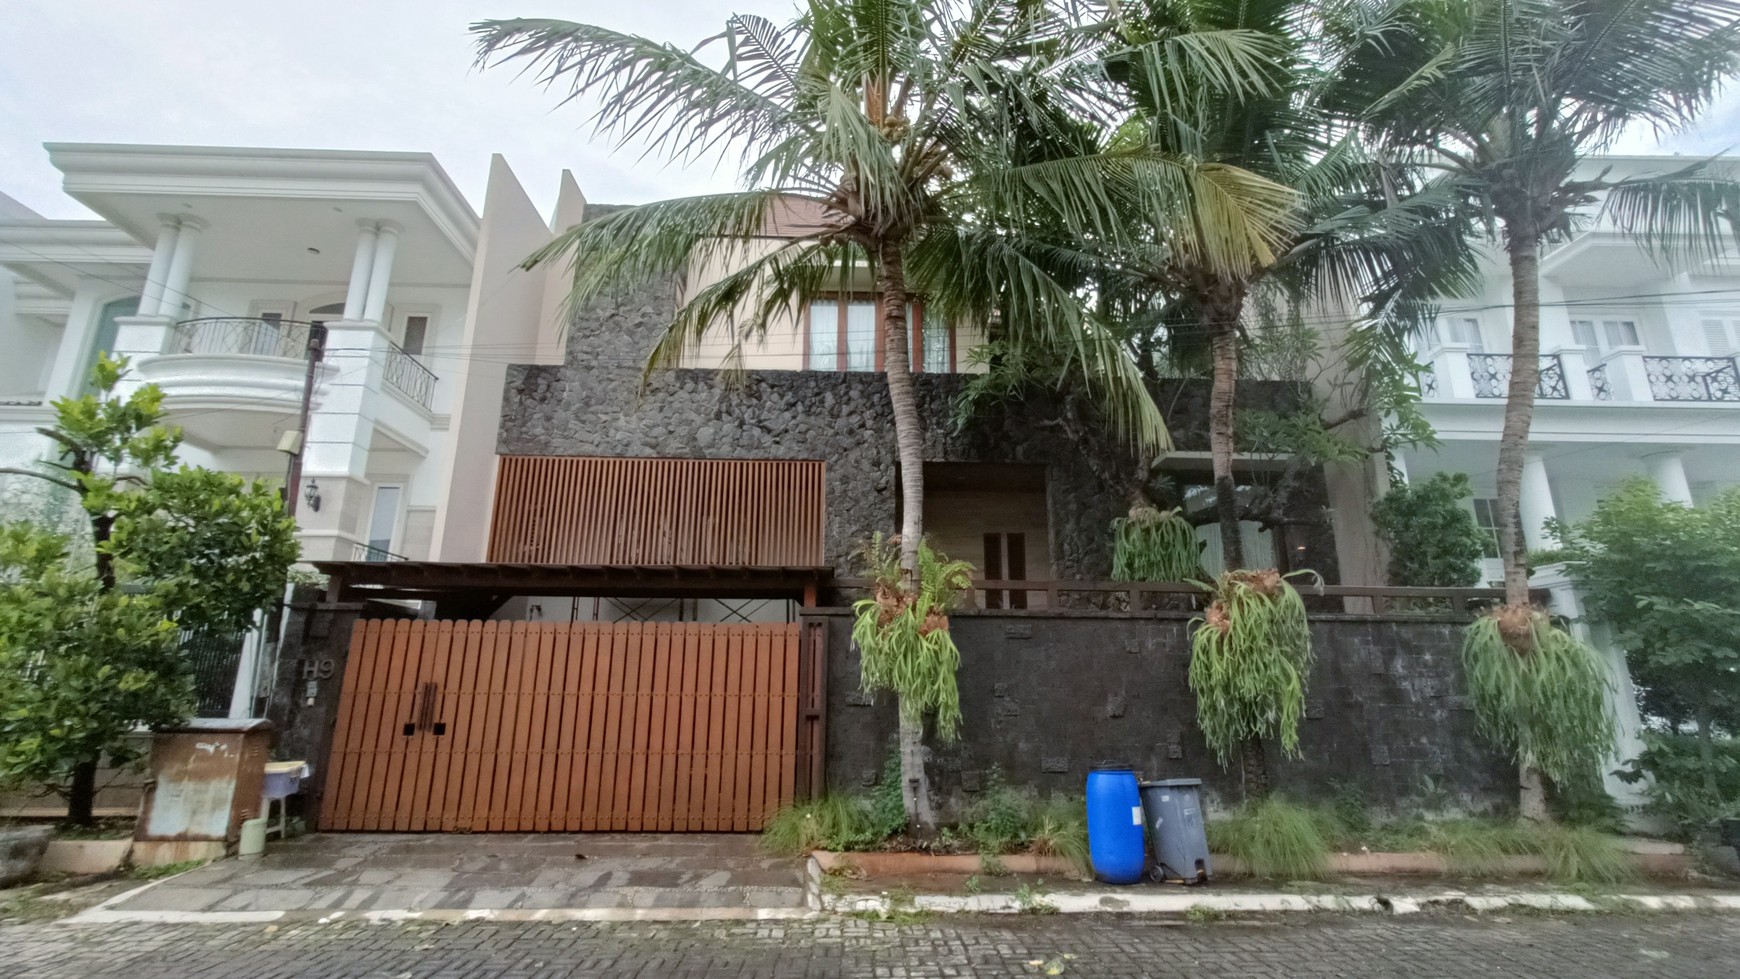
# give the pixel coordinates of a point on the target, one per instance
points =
(370, 75)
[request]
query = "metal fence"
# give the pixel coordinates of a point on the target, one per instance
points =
(1491, 376)
(249, 337)
(214, 659)
(1692, 378)
(411, 378)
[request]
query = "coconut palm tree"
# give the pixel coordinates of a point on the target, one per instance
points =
(894, 125)
(1504, 100)
(1360, 238)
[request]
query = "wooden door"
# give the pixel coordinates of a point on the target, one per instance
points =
(564, 727)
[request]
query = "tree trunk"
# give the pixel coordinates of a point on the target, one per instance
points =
(1707, 752)
(909, 450)
(1532, 795)
(1519, 410)
(1254, 767)
(102, 525)
(81, 796)
(1221, 321)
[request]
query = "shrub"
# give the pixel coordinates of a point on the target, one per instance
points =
(1679, 781)
(1061, 831)
(1433, 539)
(1273, 838)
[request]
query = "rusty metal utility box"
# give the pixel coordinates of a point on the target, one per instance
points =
(207, 776)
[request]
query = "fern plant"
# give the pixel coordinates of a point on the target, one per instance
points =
(902, 632)
(1538, 692)
(1153, 545)
(1249, 657)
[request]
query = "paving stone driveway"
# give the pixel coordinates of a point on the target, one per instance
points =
(1681, 946)
(413, 872)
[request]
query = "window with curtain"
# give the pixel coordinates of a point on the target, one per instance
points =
(847, 335)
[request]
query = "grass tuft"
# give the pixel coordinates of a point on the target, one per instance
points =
(1274, 838)
(1577, 854)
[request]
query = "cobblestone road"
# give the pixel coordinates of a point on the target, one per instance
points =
(1583, 947)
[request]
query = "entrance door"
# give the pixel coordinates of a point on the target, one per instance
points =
(564, 727)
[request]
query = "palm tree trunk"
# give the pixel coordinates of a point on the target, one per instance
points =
(1519, 412)
(909, 450)
(1221, 320)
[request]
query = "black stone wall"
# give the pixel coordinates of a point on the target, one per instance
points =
(597, 404)
(1046, 696)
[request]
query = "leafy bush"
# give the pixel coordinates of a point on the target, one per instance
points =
(1679, 786)
(1273, 838)
(1433, 539)
(1002, 820)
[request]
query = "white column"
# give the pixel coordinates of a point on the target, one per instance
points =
(376, 305)
(367, 232)
(180, 268)
(1668, 469)
(1537, 501)
(152, 297)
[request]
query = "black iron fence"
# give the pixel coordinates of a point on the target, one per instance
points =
(249, 337)
(1491, 376)
(411, 378)
(215, 660)
(1692, 378)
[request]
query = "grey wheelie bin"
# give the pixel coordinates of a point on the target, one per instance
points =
(1172, 808)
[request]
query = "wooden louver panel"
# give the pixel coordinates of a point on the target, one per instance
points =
(564, 727)
(585, 510)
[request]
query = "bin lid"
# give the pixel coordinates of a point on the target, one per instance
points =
(1112, 766)
(1172, 783)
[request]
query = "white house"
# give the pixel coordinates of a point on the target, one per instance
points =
(211, 268)
(1638, 376)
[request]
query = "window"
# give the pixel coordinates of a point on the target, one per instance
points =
(103, 342)
(847, 336)
(416, 331)
(1464, 330)
(1486, 518)
(1605, 334)
(1722, 336)
(383, 520)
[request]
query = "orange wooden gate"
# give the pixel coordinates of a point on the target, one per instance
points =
(564, 727)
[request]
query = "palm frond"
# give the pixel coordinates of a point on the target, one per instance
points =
(1689, 215)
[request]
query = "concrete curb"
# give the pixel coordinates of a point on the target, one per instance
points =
(437, 915)
(1103, 902)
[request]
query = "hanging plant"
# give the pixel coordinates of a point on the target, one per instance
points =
(1249, 658)
(1154, 545)
(1538, 692)
(902, 632)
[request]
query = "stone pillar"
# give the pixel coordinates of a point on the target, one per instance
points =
(375, 307)
(367, 233)
(1537, 501)
(1668, 470)
(180, 269)
(152, 297)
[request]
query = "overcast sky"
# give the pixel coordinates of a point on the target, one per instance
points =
(362, 74)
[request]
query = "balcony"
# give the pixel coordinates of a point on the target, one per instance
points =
(284, 339)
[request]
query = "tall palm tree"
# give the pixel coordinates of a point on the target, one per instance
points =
(1359, 238)
(896, 122)
(1504, 100)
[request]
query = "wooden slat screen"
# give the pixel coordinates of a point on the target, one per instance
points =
(586, 510)
(564, 727)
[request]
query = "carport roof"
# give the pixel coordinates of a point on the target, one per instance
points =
(351, 581)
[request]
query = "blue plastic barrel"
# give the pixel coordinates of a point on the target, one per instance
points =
(1114, 813)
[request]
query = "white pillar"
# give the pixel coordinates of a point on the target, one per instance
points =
(1537, 501)
(1668, 469)
(152, 297)
(367, 232)
(376, 306)
(180, 268)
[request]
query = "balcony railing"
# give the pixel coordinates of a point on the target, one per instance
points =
(412, 379)
(1692, 378)
(1600, 385)
(369, 552)
(246, 336)
(1491, 376)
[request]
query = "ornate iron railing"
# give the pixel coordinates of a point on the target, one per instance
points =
(1692, 378)
(1491, 376)
(1428, 384)
(411, 378)
(1600, 384)
(250, 337)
